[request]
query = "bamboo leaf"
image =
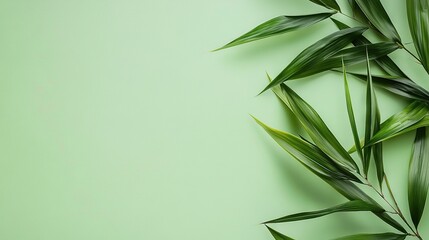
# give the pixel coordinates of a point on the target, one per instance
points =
(317, 53)
(331, 4)
(351, 115)
(378, 151)
(317, 129)
(385, 62)
(380, 236)
(350, 56)
(418, 20)
(370, 119)
(308, 154)
(351, 206)
(276, 26)
(277, 235)
(412, 117)
(352, 192)
(418, 178)
(400, 86)
(377, 15)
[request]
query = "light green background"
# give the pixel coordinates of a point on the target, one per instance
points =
(118, 123)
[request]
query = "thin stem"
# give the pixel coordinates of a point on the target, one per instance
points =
(401, 45)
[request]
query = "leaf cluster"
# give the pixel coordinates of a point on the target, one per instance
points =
(322, 154)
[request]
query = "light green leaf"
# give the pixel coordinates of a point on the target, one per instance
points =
(400, 86)
(308, 154)
(380, 236)
(418, 20)
(377, 15)
(412, 117)
(317, 53)
(278, 25)
(351, 115)
(418, 178)
(317, 129)
(352, 206)
(277, 235)
(331, 4)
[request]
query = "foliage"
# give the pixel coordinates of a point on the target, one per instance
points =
(323, 155)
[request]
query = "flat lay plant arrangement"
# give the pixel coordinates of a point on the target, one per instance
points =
(321, 153)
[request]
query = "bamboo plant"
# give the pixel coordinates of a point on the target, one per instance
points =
(322, 154)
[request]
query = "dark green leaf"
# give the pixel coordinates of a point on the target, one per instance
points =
(380, 236)
(317, 53)
(277, 235)
(385, 62)
(352, 192)
(352, 206)
(412, 117)
(351, 115)
(351, 56)
(278, 25)
(317, 129)
(418, 178)
(308, 154)
(332, 4)
(377, 15)
(401, 86)
(418, 19)
(372, 125)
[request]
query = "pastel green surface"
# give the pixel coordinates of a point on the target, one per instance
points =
(119, 123)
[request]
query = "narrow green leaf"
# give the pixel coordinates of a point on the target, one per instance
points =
(400, 86)
(308, 154)
(385, 62)
(377, 15)
(378, 151)
(277, 235)
(350, 56)
(370, 119)
(317, 129)
(331, 4)
(352, 206)
(278, 25)
(380, 236)
(418, 20)
(412, 117)
(418, 178)
(352, 192)
(317, 53)
(352, 115)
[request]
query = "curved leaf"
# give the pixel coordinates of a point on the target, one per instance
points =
(400, 86)
(377, 15)
(332, 4)
(278, 25)
(277, 235)
(317, 129)
(317, 53)
(418, 178)
(352, 206)
(418, 20)
(380, 236)
(308, 154)
(413, 116)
